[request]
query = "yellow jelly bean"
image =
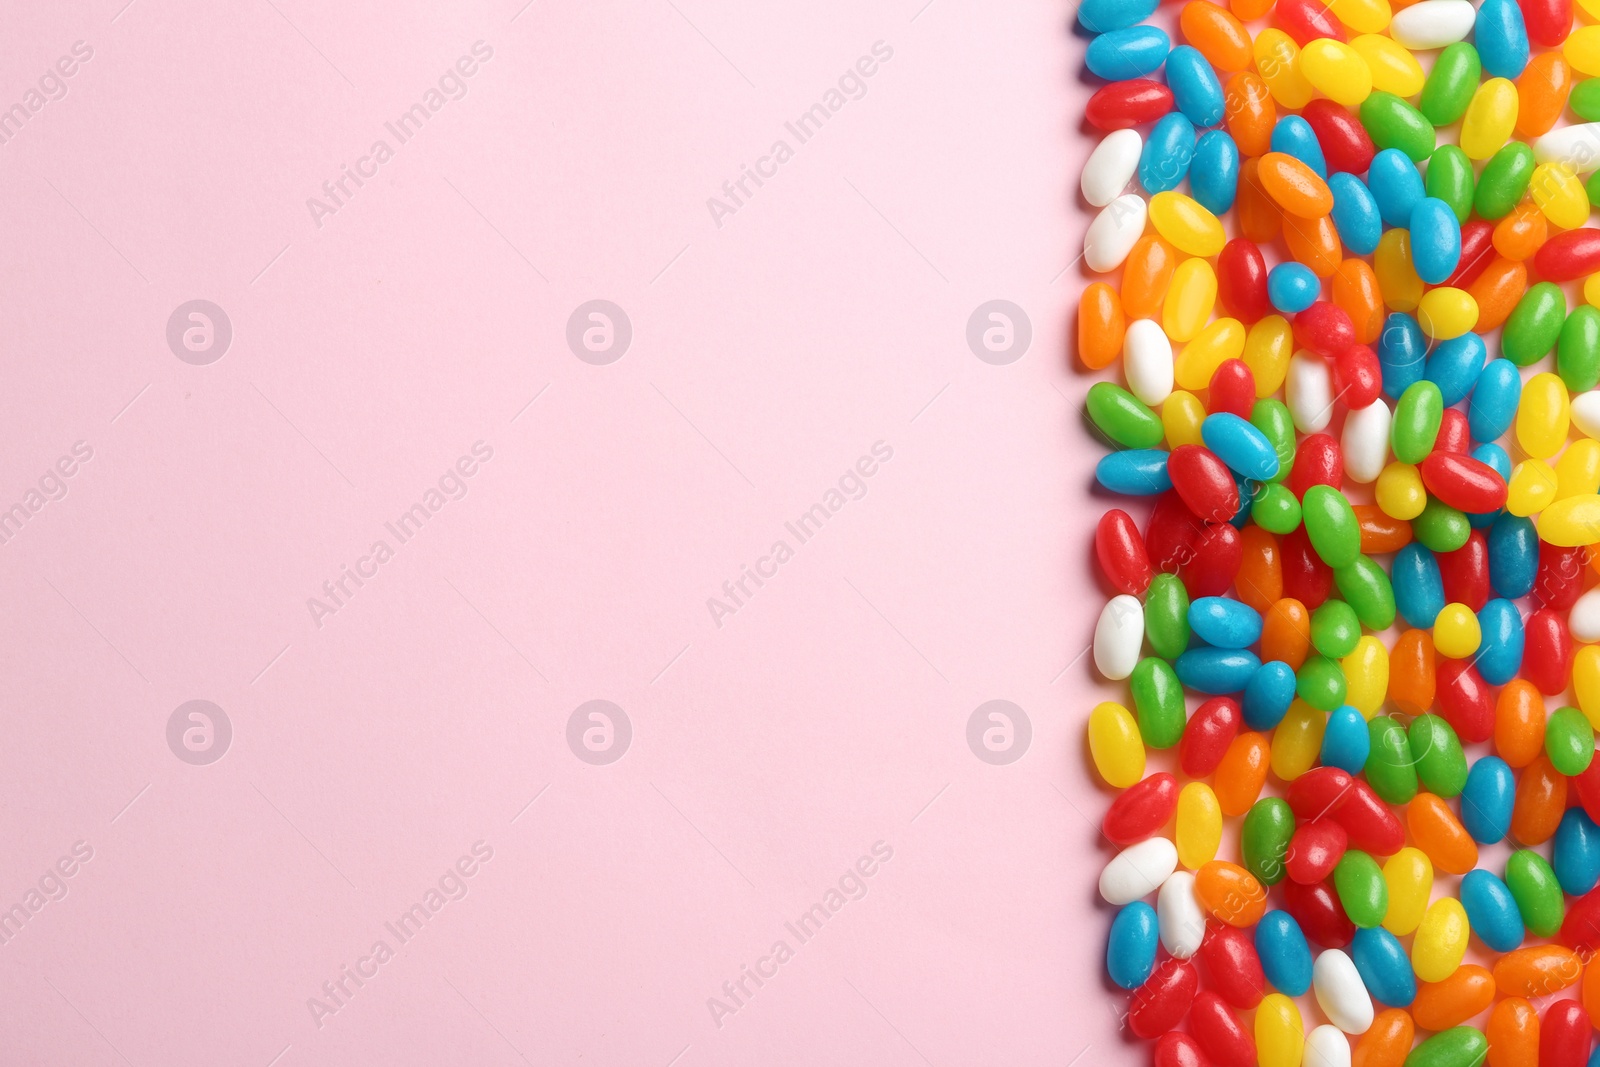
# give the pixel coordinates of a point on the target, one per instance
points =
(1366, 672)
(1532, 487)
(1365, 16)
(1400, 492)
(1582, 50)
(1199, 826)
(1409, 875)
(1560, 195)
(1441, 940)
(1280, 1032)
(1297, 741)
(1115, 744)
(1586, 682)
(1572, 522)
(1336, 70)
(1277, 60)
(1591, 285)
(1394, 69)
(1490, 118)
(1181, 416)
(1446, 312)
(1590, 8)
(1397, 275)
(1216, 344)
(1267, 350)
(1456, 634)
(1578, 469)
(1189, 227)
(1544, 415)
(1191, 295)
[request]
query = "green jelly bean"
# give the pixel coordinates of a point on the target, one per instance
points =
(1320, 682)
(1450, 179)
(1503, 181)
(1334, 628)
(1390, 769)
(1450, 85)
(1585, 99)
(1459, 1046)
(1441, 765)
(1122, 417)
(1264, 839)
(1417, 416)
(1592, 187)
(1331, 525)
(1166, 616)
(1569, 741)
(1578, 347)
(1534, 887)
(1358, 880)
(1440, 527)
(1272, 418)
(1393, 123)
(1365, 587)
(1275, 509)
(1535, 324)
(1158, 701)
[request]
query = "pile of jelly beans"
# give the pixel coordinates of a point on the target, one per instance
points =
(1349, 342)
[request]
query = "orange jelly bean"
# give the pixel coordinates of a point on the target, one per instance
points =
(1355, 289)
(1260, 579)
(1249, 113)
(1242, 772)
(1314, 242)
(1437, 831)
(1497, 291)
(1295, 187)
(1411, 672)
(1541, 801)
(1542, 90)
(1217, 35)
(1380, 532)
(1519, 722)
(1146, 277)
(1100, 326)
(1590, 993)
(1386, 1041)
(1537, 971)
(1441, 1005)
(1519, 235)
(1513, 1032)
(1230, 893)
(1259, 218)
(1286, 633)
(1250, 10)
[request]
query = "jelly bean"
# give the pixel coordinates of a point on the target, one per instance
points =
(1125, 104)
(1259, 218)
(1586, 681)
(1578, 349)
(1345, 143)
(1345, 742)
(1309, 390)
(1441, 527)
(1177, 1049)
(1103, 16)
(1521, 233)
(1548, 21)
(1544, 416)
(1464, 700)
(1534, 887)
(1307, 21)
(1408, 875)
(1100, 326)
(1386, 1042)
(1206, 737)
(1321, 684)
(1242, 279)
(1292, 287)
(1203, 482)
(1393, 123)
(1500, 655)
(1327, 1046)
(1179, 917)
(1513, 556)
(1564, 1032)
(1121, 417)
(1569, 741)
(1395, 186)
(1465, 573)
(1454, 367)
(1418, 588)
(1519, 723)
(1219, 36)
(1276, 509)
(1450, 179)
(1111, 166)
(1437, 832)
(1158, 702)
(1491, 116)
(1390, 768)
(1242, 773)
(1435, 239)
(1582, 50)
(1492, 910)
(1199, 825)
(1455, 632)
(1441, 1005)
(1335, 629)
(1293, 136)
(1584, 622)
(1445, 313)
(1416, 417)
(1449, 88)
(1501, 38)
(1141, 810)
(1225, 623)
(1137, 871)
(1340, 992)
(1318, 461)
(1580, 930)
(1127, 53)
(1285, 956)
(1265, 839)
(1366, 441)
(1394, 69)
(1161, 1002)
(1455, 435)
(1167, 154)
(1575, 857)
(1402, 289)
(1147, 276)
(1495, 397)
(1504, 180)
(1355, 291)
(1440, 941)
(1280, 1032)
(1115, 745)
(1166, 612)
(1134, 472)
(1194, 85)
(1317, 910)
(1513, 1030)
(1497, 292)
(1547, 653)
(1383, 966)
(1459, 1046)
(1131, 947)
(1336, 70)
(1559, 194)
(1363, 893)
(1249, 111)
(1487, 799)
(1268, 695)
(1260, 580)
(1235, 968)
(1230, 894)
(1314, 850)
(1113, 233)
(1441, 767)
(1432, 23)
(1117, 637)
(1296, 743)
(1331, 525)
(1541, 798)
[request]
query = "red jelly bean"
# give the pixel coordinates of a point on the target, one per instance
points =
(1371, 824)
(1121, 552)
(1164, 999)
(1357, 376)
(1344, 141)
(1242, 280)
(1211, 729)
(1229, 954)
(1324, 328)
(1586, 784)
(1232, 389)
(1170, 536)
(1477, 252)
(1462, 482)
(1546, 652)
(1204, 482)
(1318, 792)
(1559, 579)
(1217, 555)
(1569, 255)
(1122, 105)
(1455, 434)
(1213, 1024)
(1318, 911)
(1305, 577)
(1177, 1049)
(1466, 572)
(1564, 1035)
(1580, 930)
(1318, 461)
(1548, 21)
(1141, 810)
(1464, 700)
(1307, 20)
(1314, 850)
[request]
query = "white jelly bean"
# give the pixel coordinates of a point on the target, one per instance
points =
(1340, 992)
(1584, 622)
(1577, 146)
(1118, 637)
(1147, 361)
(1114, 232)
(1111, 166)
(1433, 23)
(1326, 1046)
(1586, 413)
(1138, 870)
(1365, 442)
(1309, 387)
(1178, 916)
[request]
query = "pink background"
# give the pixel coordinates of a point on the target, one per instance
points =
(430, 712)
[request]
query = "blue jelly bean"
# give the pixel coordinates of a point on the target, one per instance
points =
(1292, 287)
(1491, 910)
(1131, 948)
(1384, 967)
(1494, 400)
(1224, 622)
(1168, 153)
(1248, 487)
(1293, 136)
(1195, 88)
(1103, 16)
(1594, 1058)
(1401, 349)
(1214, 671)
(1355, 214)
(1486, 800)
(1127, 53)
(1435, 239)
(1575, 856)
(1501, 38)
(1395, 183)
(1491, 455)
(1240, 445)
(1214, 172)
(1455, 365)
(1499, 655)
(1513, 555)
(1418, 585)
(1268, 695)
(1135, 472)
(1285, 956)
(1346, 742)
